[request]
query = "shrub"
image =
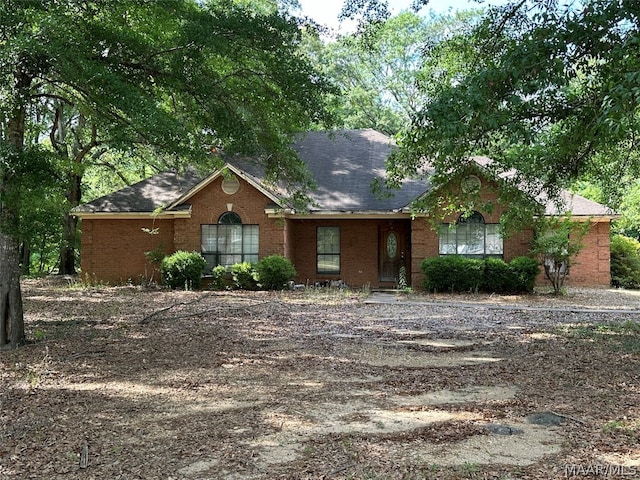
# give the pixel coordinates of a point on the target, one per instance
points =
(557, 242)
(452, 273)
(244, 276)
(156, 255)
(460, 274)
(218, 277)
(625, 262)
(498, 276)
(183, 270)
(274, 272)
(524, 271)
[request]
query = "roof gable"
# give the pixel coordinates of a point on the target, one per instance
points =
(568, 202)
(255, 182)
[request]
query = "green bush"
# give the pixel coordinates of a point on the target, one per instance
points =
(183, 270)
(244, 276)
(498, 276)
(274, 272)
(218, 278)
(625, 262)
(459, 274)
(524, 271)
(452, 273)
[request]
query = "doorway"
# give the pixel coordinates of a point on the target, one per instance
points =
(393, 251)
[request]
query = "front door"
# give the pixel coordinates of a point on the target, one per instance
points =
(393, 254)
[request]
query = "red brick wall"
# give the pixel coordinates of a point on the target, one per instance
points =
(592, 266)
(112, 250)
(211, 202)
(424, 244)
(358, 251)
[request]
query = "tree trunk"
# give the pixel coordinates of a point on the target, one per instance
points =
(67, 265)
(11, 315)
(25, 258)
(78, 152)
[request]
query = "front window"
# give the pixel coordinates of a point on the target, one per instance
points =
(471, 237)
(328, 250)
(229, 241)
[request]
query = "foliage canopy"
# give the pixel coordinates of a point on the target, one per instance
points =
(547, 88)
(185, 78)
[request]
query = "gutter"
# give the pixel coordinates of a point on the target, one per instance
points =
(166, 214)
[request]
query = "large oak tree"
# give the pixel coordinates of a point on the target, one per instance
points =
(549, 88)
(181, 77)
(378, 68)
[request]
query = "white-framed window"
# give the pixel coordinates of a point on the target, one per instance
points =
(471, 237)
(328, 250)
(229, 241)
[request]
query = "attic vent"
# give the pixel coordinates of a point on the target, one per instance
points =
(230, 185)
(471, 184)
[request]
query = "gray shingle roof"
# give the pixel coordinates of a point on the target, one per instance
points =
(344, 164)
(577, 205)
(158, 191)
(580, 206)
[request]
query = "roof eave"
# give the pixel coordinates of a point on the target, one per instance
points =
(347, 214)
(134, 215)
(584, 217)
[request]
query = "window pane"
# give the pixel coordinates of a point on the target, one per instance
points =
(392, 245)
(328, 263)
(462, 239)
(208, 238)
(494, 240)
(470, 239)
(223, 238)
(476, 239)
(329, 240)
(228, 260)
(234, 239)
(447, 237)
(212, 261)
(250, 240)
(475, 217)
(230, 218)
(328, 250)
(251, 258)
(229, 243)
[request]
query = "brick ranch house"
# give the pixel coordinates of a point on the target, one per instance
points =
(349, 234)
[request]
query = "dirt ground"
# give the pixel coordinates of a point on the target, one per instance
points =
(132, 383)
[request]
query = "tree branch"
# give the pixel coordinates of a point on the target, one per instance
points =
(114, 169)
(54, 130)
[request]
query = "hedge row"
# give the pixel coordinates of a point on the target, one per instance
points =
(185, 270)
(460, 274)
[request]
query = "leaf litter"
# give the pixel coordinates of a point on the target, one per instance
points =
(143, 383)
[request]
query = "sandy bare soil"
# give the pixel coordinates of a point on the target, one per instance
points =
(128, 383)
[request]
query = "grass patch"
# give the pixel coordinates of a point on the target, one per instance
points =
(626, 427)
(617, 336)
